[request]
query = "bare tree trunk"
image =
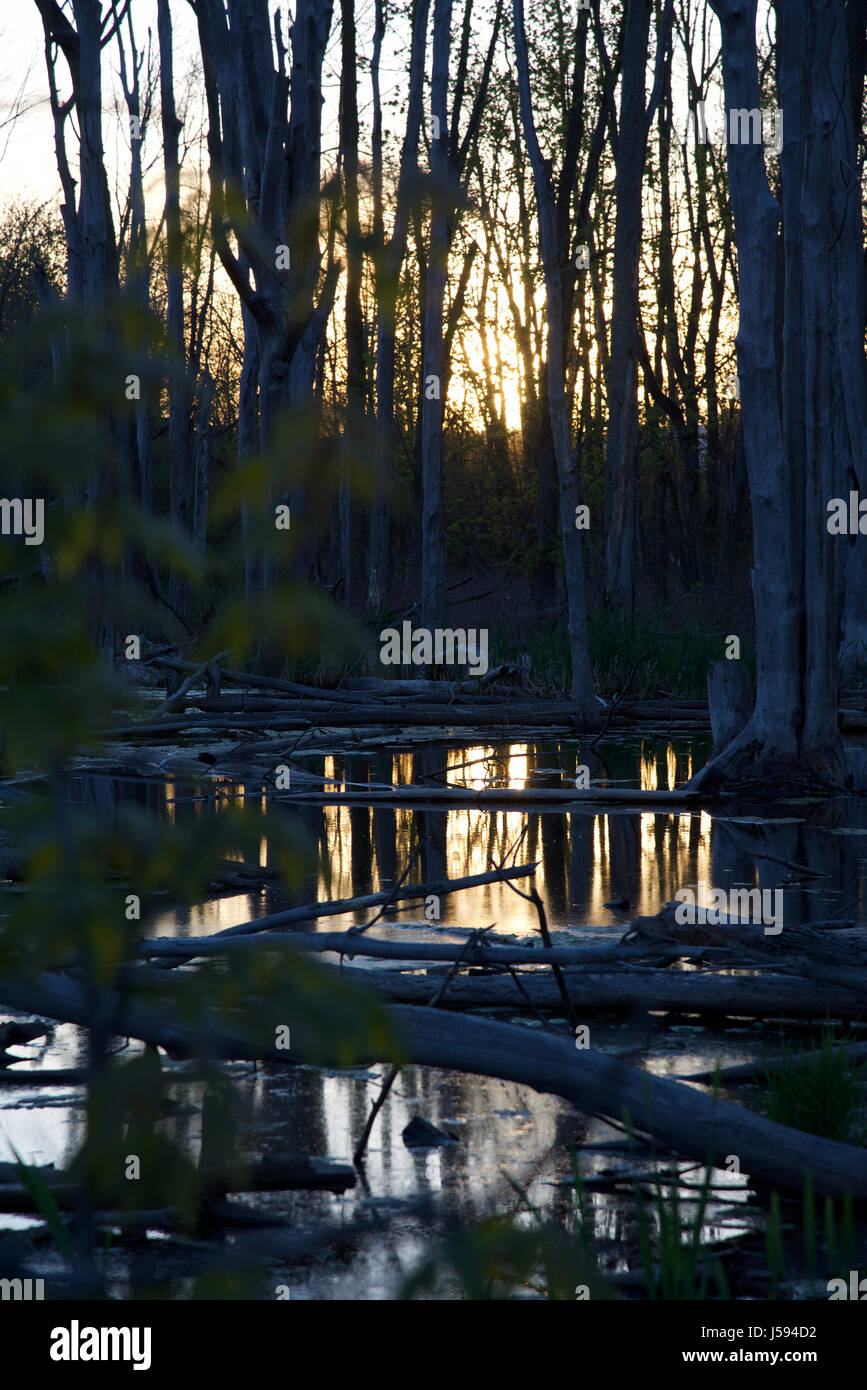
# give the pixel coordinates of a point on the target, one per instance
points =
(622, 442)
(203, 461)
(179, 443)
(387, 282)
(793, 730)
(847, 58)
(567, 470)
(275, 158)
(433, 533)
(91, 242)
(351, 535)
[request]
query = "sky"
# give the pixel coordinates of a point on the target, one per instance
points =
(27, 165)
(27, 158)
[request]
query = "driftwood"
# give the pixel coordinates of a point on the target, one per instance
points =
(684, 1119)
(744, 996)
(339, 709)
(436, 689)
(256, 682)
(499, 796)
(310, 911)
(831, 960)
(352, 944)
(176, 699)
(368, 692)
(688, 1121)
(302, 713)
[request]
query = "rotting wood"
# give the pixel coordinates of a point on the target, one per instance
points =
(176, 699)
(633, 986)
(351, 944)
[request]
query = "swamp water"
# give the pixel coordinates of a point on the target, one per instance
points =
(505, 1132)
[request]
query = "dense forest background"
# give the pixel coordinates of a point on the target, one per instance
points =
(443, 302)
(405, 318)
(443, 315)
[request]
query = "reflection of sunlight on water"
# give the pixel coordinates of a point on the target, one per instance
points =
(401, 769)
(648, 782)
(648, 835)
(671, 767)
(518, 767)
(585, 858)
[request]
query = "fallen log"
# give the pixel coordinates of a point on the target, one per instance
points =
(742, 996)
(499, 796)
(351, 944)
(311, 911)
(309, 713)
(332, 909)
(688, 1121)
(38, 1076)
(796, 939)
(685, 1120)
(257, 682)
(436, 689)
(304, 713)
(175, 700)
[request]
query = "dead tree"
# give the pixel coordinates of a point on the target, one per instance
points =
(793, 730)
(567, 468)
(622, 442)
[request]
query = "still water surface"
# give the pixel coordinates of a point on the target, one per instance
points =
(586, 859)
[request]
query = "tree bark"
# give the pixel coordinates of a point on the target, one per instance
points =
(793, 730)
(567, 468)
(433, 533)
(179, 403)
(351, 535)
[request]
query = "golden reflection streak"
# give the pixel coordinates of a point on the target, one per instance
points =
(671, 767)
(655, 852)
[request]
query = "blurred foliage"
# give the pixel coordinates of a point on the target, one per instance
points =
(103, 572)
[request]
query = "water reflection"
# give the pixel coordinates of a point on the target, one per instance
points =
(586, 858)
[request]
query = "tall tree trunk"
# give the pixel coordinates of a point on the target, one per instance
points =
(847, 57)
(387, 284)
(622, 443)
(433, 532)
(351, 544)
(793, 730)
(567, 469)
(179, 443)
